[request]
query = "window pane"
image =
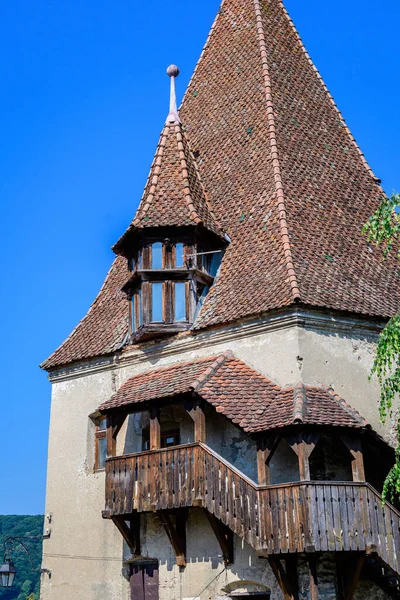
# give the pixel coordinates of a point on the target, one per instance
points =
(180, 302)
(101, 452)
(102, 424)
(179, 255)
(140, 313)
(139, 260)
(157, 255)
(134, 324)
(156, 314)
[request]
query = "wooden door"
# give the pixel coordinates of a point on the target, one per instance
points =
(144, 581)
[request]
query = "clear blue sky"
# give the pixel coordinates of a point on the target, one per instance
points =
(83, 98)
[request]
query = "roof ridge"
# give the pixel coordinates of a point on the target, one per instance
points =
(202, 51)
(45, 363)
(347, 407)
(274, 155)
(187, 194)
(211, 370)
(299, 402)
(331, 99)
(155, 170)
(183, 139)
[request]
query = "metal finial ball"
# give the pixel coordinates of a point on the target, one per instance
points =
(173, 71)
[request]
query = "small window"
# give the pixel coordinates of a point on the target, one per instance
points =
(137, 314)
(168, 439)
(179, 258)
(156, 256)
(101, 444)
(180, 301)
(157, 302)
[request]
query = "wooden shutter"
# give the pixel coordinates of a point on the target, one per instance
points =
(144, 581)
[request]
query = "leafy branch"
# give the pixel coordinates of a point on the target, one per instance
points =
(383, 229)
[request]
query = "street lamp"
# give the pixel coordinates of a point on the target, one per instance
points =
(7, 569)
(7, 573)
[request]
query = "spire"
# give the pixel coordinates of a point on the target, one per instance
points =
(174, 195)
(173, 116)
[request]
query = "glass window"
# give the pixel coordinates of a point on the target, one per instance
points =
(139, 260)
(139, 301)
(101, 443)
(101, 452)
(156, 303)
(179, 255)
(180, 301)
(156, 259)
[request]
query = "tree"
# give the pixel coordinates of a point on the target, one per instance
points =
(383, 229)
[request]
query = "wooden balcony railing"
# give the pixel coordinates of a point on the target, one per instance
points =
(295, 517)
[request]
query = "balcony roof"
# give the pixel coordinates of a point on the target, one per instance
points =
(240, 393)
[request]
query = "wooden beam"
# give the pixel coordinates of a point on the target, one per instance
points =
(131, 532)
(176, 534)
(312, 566)
(353, 445)
(266, 447)
(196, 411)
(303, 445)
(348, 573)
(287, 586)
(224, 536)
(114, 424)
(155, 428)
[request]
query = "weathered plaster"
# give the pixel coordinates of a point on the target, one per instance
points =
(339, 356)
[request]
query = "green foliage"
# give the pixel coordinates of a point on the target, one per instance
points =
(27, 582)
(383, 228)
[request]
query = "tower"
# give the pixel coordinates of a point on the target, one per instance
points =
(220, 399)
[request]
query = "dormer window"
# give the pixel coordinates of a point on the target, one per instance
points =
(168, 279)
(175, 243)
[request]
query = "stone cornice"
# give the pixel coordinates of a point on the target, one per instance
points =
(327, 322)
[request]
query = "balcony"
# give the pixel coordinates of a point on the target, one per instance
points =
(305, 516)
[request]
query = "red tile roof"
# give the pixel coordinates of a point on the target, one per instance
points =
(242, 394)
(174, 195)
(283, 176)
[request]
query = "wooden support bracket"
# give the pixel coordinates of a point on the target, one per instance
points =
(266, 447)
(131, 532)
(286, 578)
(114, 424)
(312, 567)
(196, 411)
(176, 533)
(353, 445)
(224, 536)
(348, 569)
(303, 445)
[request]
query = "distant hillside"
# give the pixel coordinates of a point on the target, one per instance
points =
(26, 584)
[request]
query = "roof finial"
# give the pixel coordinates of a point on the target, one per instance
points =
(173, 116)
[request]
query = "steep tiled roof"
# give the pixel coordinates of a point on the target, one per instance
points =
(105, 325)
(240, 393)
(174, 194)
(284, 178)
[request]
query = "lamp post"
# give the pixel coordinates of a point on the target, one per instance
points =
(7, 569)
